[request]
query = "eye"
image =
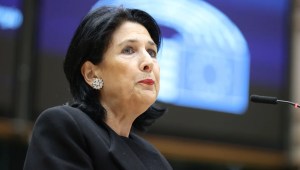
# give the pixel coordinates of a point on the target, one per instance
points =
(152, 53)
(128, 50)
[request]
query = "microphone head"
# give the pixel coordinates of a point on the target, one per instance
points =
(263, 99)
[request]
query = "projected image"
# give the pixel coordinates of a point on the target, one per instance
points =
(205, 59)
(11, 18)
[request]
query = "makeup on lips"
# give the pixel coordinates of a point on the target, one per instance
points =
(147, 81)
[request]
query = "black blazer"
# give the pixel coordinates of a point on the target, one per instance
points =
(65, 138)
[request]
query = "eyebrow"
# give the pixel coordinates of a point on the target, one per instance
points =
(134, 41)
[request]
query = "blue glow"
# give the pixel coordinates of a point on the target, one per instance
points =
(206, 63)
(10, 18)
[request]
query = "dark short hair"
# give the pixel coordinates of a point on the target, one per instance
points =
(89, 43)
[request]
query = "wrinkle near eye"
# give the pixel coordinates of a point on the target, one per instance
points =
(152, 53)
(128, 50)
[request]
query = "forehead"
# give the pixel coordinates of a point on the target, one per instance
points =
(130, 31)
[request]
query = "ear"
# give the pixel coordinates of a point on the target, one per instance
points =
(88, 70)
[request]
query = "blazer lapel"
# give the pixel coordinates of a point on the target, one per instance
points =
(122, 154)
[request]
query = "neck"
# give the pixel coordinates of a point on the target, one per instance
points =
(121, 126)
(120, 121)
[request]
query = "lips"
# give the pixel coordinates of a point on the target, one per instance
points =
(147, 81)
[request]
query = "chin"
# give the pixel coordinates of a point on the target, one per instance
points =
(149, 100)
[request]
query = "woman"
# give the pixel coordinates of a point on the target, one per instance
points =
(113, 73)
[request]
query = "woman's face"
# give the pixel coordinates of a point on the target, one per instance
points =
(129, 69)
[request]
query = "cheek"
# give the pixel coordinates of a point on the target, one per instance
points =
(157, 72)
(157, 77)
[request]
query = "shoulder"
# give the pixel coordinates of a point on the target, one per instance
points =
(68, 117)
(68, 122)
(58, 117)
(60, 139)
(62, 113)
(62, 110)
(64, 118)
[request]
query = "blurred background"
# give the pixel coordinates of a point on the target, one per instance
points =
(214, 55)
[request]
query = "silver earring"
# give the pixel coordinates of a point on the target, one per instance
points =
(97, 83)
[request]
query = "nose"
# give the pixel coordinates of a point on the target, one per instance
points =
(146, 64)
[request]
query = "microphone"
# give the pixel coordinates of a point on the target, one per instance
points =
(270, 100)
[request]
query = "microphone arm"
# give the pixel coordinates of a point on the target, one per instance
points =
(271, 100)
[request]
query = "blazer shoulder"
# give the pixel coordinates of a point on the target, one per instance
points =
(66, 115)
(58, 141)
(63, 111)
